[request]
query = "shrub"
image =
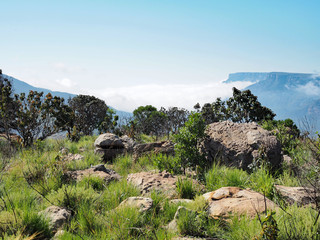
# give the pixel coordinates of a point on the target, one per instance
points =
(168, 163)
(188, 144)
(197, 224)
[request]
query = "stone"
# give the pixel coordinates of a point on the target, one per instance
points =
(228, 201)
(109, 146)
(300, 195)
(180, 201)
(97, 171)
(165, 147)
(58, 216)
(240, 144)
(73, 157)
(128, 143)
(153, 181)
(109, 141)
(142, 203)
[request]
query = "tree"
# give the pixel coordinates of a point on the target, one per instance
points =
(109, 122)
(175, 118)
(8, 108)
(148, 120)
(241, 107)
(56, 116)
(89, 112)
(245, 107)
(189, 143)
(30, 116)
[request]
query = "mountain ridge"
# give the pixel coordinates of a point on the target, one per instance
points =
(289, 95)
(23, 87)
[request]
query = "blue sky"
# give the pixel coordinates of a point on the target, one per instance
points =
(170, 53)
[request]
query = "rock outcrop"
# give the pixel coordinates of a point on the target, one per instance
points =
(97, 171)
(110, 145)
(57, 216)
(239, 144)
(165, 147)
(299, 195)
(143, 204)
(153, 181)
(232, 200)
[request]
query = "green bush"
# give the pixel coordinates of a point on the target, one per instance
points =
(198, 224)
(168, 163)
(188, 144)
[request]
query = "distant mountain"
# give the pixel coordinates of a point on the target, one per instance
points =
(289, 95)
(22, 87)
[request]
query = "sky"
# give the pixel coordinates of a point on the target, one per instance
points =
(159, 52)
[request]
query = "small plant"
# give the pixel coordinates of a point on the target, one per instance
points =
(185, 188)
(269, 227)
(34, 223)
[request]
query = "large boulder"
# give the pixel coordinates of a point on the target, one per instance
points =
(100, 171)
(228, 201)
(165, 147)
(110, 146)
(239, 144)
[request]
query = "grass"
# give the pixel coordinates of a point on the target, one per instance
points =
(33, 179)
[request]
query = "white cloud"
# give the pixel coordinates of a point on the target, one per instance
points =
(179, 95)
(66, 82)
(310, 89)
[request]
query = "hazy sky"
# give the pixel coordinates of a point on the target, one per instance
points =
(170, 53)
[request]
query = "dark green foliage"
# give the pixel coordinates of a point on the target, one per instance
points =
(109, 122)
(8, 108)
(89, 112)
(168, 163)
(243, 106)
(175, 118)
(188, 144)
(148, 120)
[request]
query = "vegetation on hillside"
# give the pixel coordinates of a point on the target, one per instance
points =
(33, 171)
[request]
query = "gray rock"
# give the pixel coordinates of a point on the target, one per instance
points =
(300, 195)
(58, 216)
(239, 144)
(144, 204)
(98, 171)
(108, 141)
(109, 146)
(165, 147)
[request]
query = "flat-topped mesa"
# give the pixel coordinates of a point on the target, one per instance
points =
(241, 144)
